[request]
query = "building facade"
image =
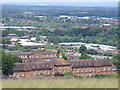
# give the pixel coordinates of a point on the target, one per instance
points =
(36, 55)
(51, 67)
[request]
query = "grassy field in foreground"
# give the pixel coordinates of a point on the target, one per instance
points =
(61, 83)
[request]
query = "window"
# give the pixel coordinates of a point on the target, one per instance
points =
(36, 56)
(90, 74)
(104, 69)
(109, 68)
(30, 56)
(25, 56)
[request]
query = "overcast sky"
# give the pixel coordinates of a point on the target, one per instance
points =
(60, 0)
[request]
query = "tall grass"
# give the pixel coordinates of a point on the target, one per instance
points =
(61, 83)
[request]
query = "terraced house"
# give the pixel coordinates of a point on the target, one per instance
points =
(59, 65)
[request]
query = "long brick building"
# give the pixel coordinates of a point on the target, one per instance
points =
(39, 62)
(35, 55)
(59, 65)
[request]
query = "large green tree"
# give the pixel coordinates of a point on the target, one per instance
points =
(82, 49)
(116, 62)
(6, 41)
(8, 61)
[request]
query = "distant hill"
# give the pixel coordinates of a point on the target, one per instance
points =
(82, 4)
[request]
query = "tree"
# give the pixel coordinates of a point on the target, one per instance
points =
(6, 41)
(116, 62)
(76, 49)
(8, 61)
(92, 51)
(85, 56)
(82, 49)
(60, 51)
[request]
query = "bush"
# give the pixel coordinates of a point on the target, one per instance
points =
(71, 74)
(92, 51)
(113, 75)
(84, 56)
(68, 74)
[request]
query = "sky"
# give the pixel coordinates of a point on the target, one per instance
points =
(60, 0)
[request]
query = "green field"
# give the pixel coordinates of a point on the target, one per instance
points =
(61, 83)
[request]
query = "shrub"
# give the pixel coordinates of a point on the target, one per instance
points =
(114, 75)
(71, 74)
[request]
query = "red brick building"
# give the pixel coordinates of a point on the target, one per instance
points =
(58, 65)
(36, 55)
(91, 67)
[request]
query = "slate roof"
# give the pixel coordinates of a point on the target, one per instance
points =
(33, 66)
(60, 62)
(47, 65)
(89, 63)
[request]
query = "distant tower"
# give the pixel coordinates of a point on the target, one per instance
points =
(60, 56)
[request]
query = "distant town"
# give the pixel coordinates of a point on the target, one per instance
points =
(55, 42)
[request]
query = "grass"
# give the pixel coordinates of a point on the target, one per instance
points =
(61, 83)
(0, 72)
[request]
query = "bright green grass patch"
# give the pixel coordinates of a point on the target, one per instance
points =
(61, 83)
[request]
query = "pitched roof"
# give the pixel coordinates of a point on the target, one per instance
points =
(33, 66)
(89, 63)
(60, 62)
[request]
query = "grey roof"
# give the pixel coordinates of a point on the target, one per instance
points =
(89, 63)
(32, 66)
